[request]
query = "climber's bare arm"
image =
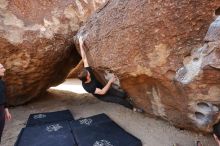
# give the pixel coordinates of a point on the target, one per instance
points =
(83, 55)
(106, 88)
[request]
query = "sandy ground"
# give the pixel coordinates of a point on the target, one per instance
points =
(151, 132)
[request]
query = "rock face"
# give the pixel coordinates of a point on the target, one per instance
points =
(36, 45)
(76, 70)
(156, 50)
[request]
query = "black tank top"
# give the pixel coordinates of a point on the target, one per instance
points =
(93, 84)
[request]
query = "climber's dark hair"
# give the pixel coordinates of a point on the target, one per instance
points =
(83, 75)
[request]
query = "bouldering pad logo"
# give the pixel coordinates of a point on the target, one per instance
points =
(85, 122)
(39, 116)
(102, 143)
(53, 128)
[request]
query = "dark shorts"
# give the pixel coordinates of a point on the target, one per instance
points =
(115, 96)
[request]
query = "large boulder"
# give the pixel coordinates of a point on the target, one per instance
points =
(148, 46)
(36, 45)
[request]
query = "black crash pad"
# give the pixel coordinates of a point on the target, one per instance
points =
(19, 137)
(54, 134)
(49, 117)
(100, 130)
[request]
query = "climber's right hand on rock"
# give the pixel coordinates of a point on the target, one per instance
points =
(113, 79)
(80, 40)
